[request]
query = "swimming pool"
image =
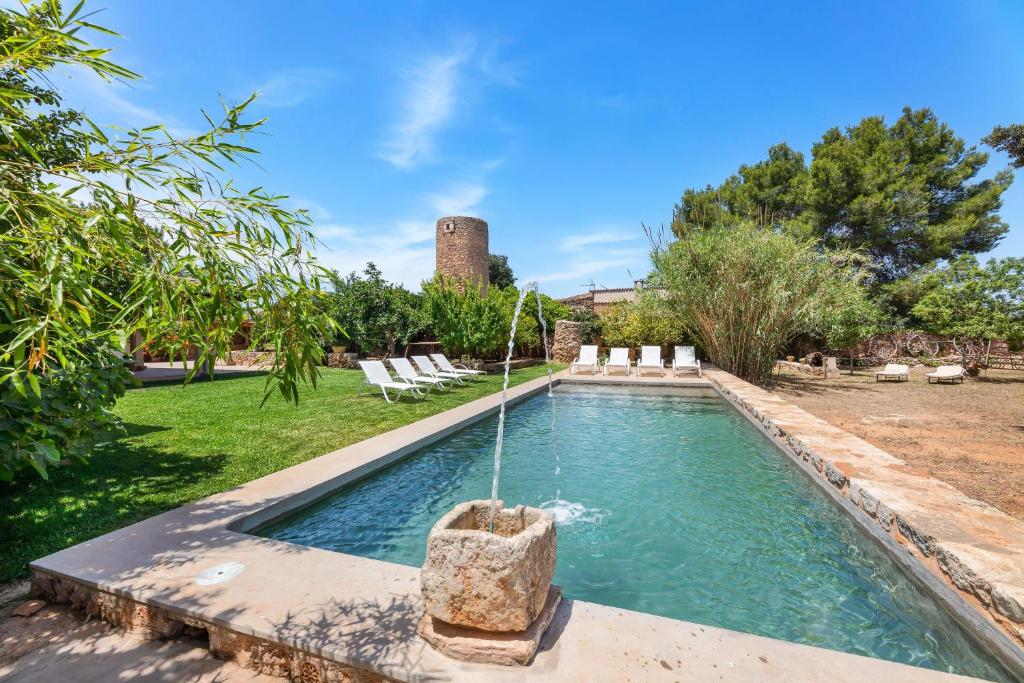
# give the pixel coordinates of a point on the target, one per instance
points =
(671, 505)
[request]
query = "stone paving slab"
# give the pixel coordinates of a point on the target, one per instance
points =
(294, 607)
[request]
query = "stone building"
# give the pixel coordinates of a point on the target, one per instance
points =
(461, 249)
(600, 301)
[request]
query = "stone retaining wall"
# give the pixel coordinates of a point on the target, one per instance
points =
(969, 545)
(803, 368)
(246, 357)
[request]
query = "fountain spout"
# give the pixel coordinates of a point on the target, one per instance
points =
(504, 392)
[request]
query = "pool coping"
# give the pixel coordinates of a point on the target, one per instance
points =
(341, 615)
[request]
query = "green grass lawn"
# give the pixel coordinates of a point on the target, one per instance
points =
(188, 442)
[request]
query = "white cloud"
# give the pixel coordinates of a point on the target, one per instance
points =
(404, 251)
(458, 199)
(574, 242)
(599, 252)
(427, 106)
(290, 87)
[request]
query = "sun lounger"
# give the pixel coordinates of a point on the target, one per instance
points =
(378, 376)
(405, 370)
(893, 371)
(617, 359)
(587, 359)
(686, 360)
(447, 366)
(650, 359)
(946, 373)
(424, 365)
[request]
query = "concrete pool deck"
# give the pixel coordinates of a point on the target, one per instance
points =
(301, 611)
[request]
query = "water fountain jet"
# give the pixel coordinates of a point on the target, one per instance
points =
(486, 580)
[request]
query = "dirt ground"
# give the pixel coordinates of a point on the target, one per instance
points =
(969, 435)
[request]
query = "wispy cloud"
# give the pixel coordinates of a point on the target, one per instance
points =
(316, 211)
(599, 252)
(111, 103)
(458, 199)
(575, 242)
(427, 106)
(291, 87)
(404, 251)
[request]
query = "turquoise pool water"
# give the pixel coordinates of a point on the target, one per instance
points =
(675, 506)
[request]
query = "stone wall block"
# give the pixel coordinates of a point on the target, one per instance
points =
(924, 542)
(834, 476)
(1009, 600)
(962, 576)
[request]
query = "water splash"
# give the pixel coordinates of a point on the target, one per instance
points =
(567, 513)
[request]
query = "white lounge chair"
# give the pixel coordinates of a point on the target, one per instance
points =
(460, 369)
(894, 371)
(378, 376)
(424, 365)
(686, 359)
(617, 358)
(946, 373)
(650, 359)
(586, 359)
(405, 370)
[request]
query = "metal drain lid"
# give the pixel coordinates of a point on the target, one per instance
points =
(220, 573)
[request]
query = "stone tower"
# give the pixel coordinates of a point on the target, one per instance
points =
(461, 245)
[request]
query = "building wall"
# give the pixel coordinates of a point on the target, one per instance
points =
(461, 249)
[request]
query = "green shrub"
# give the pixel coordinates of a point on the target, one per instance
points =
(648, 320)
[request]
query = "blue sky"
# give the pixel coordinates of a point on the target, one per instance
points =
(565, 126)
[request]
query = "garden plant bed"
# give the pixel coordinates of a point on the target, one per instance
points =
(971, 436)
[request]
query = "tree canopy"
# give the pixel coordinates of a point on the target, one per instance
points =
(1009, 139)
(375, 314)
(904, 194)
(106, 236)
(499, 272)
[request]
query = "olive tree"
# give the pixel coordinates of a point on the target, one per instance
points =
(106, 237)
(743, 292)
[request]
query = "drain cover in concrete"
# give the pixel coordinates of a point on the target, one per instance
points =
(220, 573)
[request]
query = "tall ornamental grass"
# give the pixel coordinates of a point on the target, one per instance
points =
(742, 292)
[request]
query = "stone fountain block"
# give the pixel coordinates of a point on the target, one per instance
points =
(488, 647)
(494, 582)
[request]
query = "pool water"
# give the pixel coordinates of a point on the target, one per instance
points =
(670, 505)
